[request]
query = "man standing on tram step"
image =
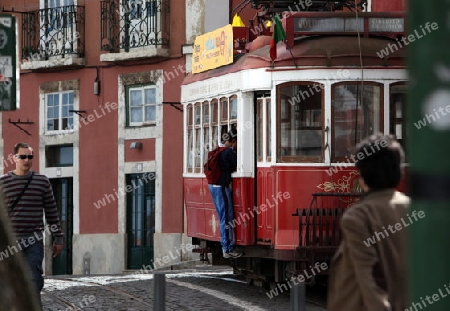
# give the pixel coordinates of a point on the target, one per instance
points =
(27, 195)
(368, 271)
(222, 196)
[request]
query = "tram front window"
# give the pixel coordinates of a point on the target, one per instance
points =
(355, 115)
(300, 122)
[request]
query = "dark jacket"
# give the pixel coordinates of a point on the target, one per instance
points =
(358, 264)
(227, 163)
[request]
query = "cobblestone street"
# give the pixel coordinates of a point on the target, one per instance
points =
(213, 289)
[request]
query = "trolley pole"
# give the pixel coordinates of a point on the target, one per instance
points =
(428, 150)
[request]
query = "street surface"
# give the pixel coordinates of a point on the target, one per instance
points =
(199, 289)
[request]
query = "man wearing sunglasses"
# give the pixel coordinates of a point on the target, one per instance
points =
(27, 196)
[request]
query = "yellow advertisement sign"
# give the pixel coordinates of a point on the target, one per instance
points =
(213, 49)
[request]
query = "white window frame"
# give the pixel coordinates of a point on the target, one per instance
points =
(142, 88)
(60, 117)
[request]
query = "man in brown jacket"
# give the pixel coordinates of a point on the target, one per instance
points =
(368, 272)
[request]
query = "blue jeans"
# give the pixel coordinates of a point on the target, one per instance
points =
(223, 201)
(34, 256)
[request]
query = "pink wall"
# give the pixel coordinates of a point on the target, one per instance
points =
(145, 153)
(98, 140)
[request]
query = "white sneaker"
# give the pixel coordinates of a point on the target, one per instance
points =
(226, 255)
(235, 254)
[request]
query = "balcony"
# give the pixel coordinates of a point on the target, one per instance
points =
(134, 29)
(53, 37)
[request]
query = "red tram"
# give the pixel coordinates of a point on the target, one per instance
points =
(298, 120)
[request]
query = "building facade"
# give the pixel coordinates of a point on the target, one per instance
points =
(99, 102)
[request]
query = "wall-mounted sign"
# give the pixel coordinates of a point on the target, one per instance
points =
(213, 49)
(9, 68)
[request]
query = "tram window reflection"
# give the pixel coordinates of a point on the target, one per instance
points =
(268, 130)
(206, 123)
(300, 123)
(263, 120)
(189, 122)
(190, 153)
(198, 138)
(260, 129)
(233, 108)
(397, 124)
(224, 109)
(356, 113)
(214, 123)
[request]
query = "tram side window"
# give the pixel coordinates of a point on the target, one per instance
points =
(397, 124)
(300, 123)
(263, 123)
(356, 113)
(228, 114)
(269, 130)
(206, 123)
(223, 116)
(214, 123)
(190, 137)
(198, 137)
(260, 128)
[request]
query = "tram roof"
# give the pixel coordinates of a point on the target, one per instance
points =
(313, 51)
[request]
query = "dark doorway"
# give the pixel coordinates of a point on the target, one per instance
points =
(63, 191)
(140, 220)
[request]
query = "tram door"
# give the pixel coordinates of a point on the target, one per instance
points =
(264, 178)
(63, 192)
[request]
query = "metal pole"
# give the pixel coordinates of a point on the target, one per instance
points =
(428, 150)
(159, 302)
(298, 297)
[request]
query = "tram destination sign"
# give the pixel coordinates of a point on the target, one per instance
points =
(305, 24)
(313, 23)
(9, 72)
(386, 24)
(310, 25)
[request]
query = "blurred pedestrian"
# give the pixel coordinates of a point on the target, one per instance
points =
(16, 290)
(368, 271)
(27, 196)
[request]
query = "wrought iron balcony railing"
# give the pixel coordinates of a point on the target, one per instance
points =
(51, 32)
(127, 24)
